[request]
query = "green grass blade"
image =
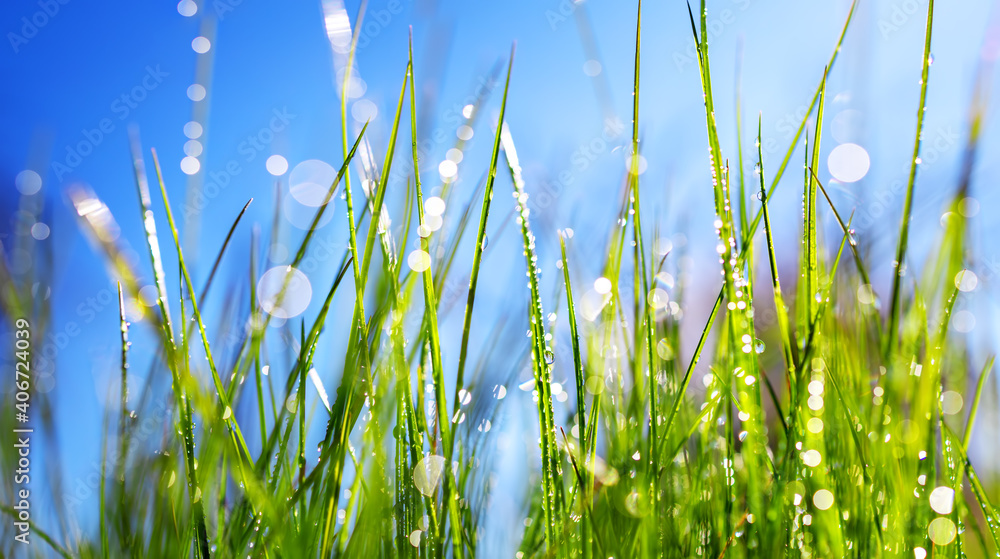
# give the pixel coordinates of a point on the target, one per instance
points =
(484, 214)
(904, 225)
(787, 345)
(585, 478)
(450, 491)
(974, 409)
(542, 359)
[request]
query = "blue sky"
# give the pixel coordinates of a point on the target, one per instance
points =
(92, 69)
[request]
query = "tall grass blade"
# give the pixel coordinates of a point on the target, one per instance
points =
(899, 264)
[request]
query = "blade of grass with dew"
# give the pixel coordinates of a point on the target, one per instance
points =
(753, 224)
(793, 143)
(787, 344)
(123, 416)
(222, 252)
(541, 359)
(810, 268)
(450, 493)
(484, 214)
(904, 225)
(170, 349)
(647, 317)
(346, 407)
(736, 284)
(974, 409)
(585, 479)
(224, 409)
(979, 492)
(152, 240)
(231, 422)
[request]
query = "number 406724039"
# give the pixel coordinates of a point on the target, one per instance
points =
(22, 366)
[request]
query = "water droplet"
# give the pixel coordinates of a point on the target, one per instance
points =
(759, 346)
(942, 500)
(427, 474)
(665, 350)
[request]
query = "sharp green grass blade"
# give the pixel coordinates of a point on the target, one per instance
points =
(787, 344)
(541, 360)
(484, 214)
(450, 492)
(974, 409)
(899, 264)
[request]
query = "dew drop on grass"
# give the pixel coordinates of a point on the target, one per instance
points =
(602, 285)
(664, 350)
(284, 292)
(815, 425)
(966, 281)
(942, 499)
(758, 346)
(951, 402)
(823, 499)
(812, 458)
(848, 162)
(415, 538)
(550, 357)
(427, 474)
(942, 530)
(309, 182)
(418, 260)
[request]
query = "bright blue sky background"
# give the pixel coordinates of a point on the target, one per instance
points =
(275, 56)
